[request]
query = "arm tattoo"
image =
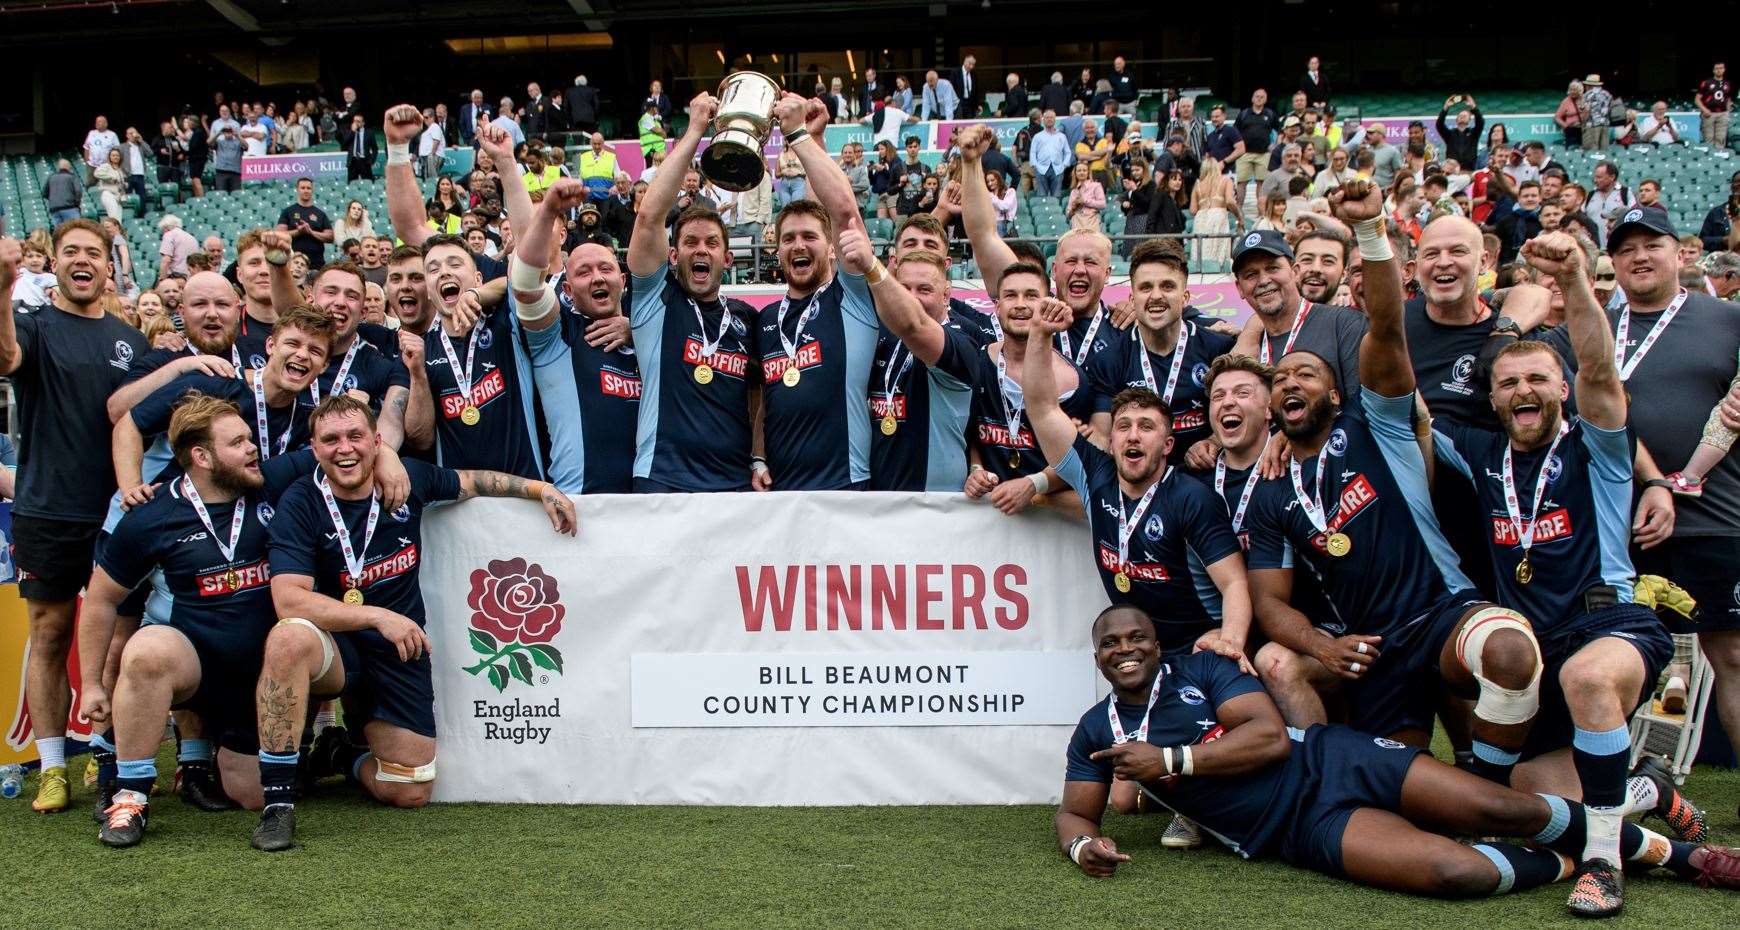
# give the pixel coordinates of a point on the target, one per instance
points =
(495, 484)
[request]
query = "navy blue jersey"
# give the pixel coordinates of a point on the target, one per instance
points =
(504, 438)
(1004, 454)
(691, 436)
(157, 358)
(166, 534)
(385, 341)
(286, 426)
(928, 449)
(1077, 346)
(1583, 525)
(1308, 597)
(1248, 812)
(981, 327)
(371, 372)
(1120, 367)
(591, 404)
(1374, 490)
(1183, 531)
(251, 336)
(304, 541)
(815, 436)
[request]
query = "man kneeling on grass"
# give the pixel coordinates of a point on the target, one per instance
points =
(1203, 739)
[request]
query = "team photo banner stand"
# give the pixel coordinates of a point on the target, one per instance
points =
(758, 649)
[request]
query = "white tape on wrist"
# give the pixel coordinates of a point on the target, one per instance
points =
(524, 277)
(1374, 245)
(1166, 760)
(1188, 766)
(1076, 845)
(530, 311)
(1041, 484)
(398, 153)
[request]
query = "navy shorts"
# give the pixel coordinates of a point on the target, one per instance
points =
(134, 604)
(1346, 770)
(1632, 623)
(54, 557)
(229, 673)
(1401, 690)
(1708, 567)
(379, 686)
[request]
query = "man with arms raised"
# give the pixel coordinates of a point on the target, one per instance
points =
(1199, 736)
(1284, 321)
(1163, 353)
(1354, 507)
(1556, 495)
(64, 360)
(695, 347)
(345, 582)
(206, 532)
(924, 232)
(918, 411)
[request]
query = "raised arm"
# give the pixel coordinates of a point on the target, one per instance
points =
(1600, 393)
(11, 356)
(285, 293)
(419, 415)
(899, 310)
(1383, 352)
(978, 212)
(534, 301)
(499, 143)
(649, 246)
(1052, 428)
(129, 395)
(828, 184)
(402, 125)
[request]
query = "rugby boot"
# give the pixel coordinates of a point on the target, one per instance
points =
(277, 829)
(52, 793)
(1679, 813)
(1597, 890)
(125, 822)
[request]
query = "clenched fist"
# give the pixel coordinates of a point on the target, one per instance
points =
(402, 124)
(1556, 254)
(1356, 201)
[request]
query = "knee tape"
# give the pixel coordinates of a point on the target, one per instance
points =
(328, 650)
(1497, 704)
(404, 774)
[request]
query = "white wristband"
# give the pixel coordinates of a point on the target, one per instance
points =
(398, 153)
(758, 466)
(1041, 484)
(1076, 845)
(1188, 765)
(1374, 244)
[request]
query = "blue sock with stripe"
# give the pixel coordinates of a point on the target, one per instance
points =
(1492, 763)
(278, 777)
(1521, 868)
(195, 750)
(103, 752)
(1600, 758)
(136, 775)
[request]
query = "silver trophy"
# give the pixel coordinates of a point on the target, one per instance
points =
(734, 159)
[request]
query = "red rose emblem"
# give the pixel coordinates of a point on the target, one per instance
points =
(513, 601)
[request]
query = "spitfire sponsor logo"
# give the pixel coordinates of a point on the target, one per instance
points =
(1552, 525)
(734, 364)
(881, 406)
(809, 355)
(1355, 497)
(1189, 419)
(216, 583)
(1245, 540)
(490, 387)
(1138, 571)
(392, 566)
(996, 434)
(616, 383)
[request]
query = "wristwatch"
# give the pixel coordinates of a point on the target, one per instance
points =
(1505, 324)
(1659, 483)
(795, 136)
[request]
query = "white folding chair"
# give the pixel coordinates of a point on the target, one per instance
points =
(1675, 737)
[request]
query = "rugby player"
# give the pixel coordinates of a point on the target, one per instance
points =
(1202, 738)
(696, 389)
(206, 532)
(252, 274)
(922, 232)
(1354, 507)
(1555, 494)
(1284, 321)
(64, 360)
(918, 412)
(352, 618)
(1163, 353)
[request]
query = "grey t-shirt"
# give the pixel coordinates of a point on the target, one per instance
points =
(1673, 389)
(227, 154)
(1387, 160)
(1332, 333)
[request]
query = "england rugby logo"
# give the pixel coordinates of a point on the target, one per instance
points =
(516, 611)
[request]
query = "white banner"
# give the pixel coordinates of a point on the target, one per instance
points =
(759, 649)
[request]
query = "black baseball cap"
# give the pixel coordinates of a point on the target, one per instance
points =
(1267, 241)
(1650, 219)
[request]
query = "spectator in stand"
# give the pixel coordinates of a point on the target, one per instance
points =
(967, 83)
(667, 110)
(598, 169)
(1609, 195)
(885, 175)
(98, 142)
(133, 152)
(1723, 271)
(1569, 115)
(1257, 125)
(1721, 229)
(111, 183)
(902, 96)
(353, 224)
(539, 174)
(1083, 88)
(535, 117)
(1574, 198)
(1290, 131)
(581, 105)
(1387, 161)
(1461, 141)
(360, 149)
(1123, 85)
(886, 122)
(1656, 127)
(1052, 155)
(1071, 125)
(1139, 202)
(1597, 107)
(1102, 93)
(652, 128)
(919, 198)
(793, 183)
(431, 146)
(1112, 125)
(1337, 173)
(1003, 198)
(832, 99)
(1185, 122)
(1289, 168)
(1054, 96)
(1095, 151)
(1495, 136)
(1314, 84)
(1649, 193)
(171, 155)
(63, 193)
(297, 129)
(1222, 141)
(995, 162)
(1024, 149)
(507, 119)
(309, 227)
(857, 173)
(1087, 197)
(940, 100)
(175, 246)
(1715, 98)
(256, 138)
(870, 92)
(226, 151)
(472, 114)
(1014, 98)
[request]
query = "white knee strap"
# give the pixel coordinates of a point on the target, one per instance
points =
(328, 649)
(1503, 706)
(404, 774)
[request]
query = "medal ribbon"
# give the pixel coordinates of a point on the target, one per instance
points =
(710, 345)
(267, 447)
(338, 376)
(1127, 525)
(351, 561)
(461, 376)
(1526, 536)
(1624, 329)
(1087, 339)
(229, 551)
(891, 377)
(1313, 508)
(797, 337)
(1177, 363)
(1238, 517)
(1292, 335)
(1013, 408)
(1141, 736)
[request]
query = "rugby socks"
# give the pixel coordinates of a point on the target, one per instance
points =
(1492, 763)
(1521, 868)
(1567, 832)
(1647, 847)
(103, 752)
(136, 775)
(354, 770)
(52, 751)
(347, 758)
(278, 777)
(1641, 795)
(195, 750)
(326, 717)
(1601, 760)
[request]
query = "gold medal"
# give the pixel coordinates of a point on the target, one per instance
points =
(1525, 572)
(232, 581)
(889, 425)
(792, 376)
(1015, 460)
(1121, 581)
(470, 415)
(1339, 544)
(353, 597)
(703, 373)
